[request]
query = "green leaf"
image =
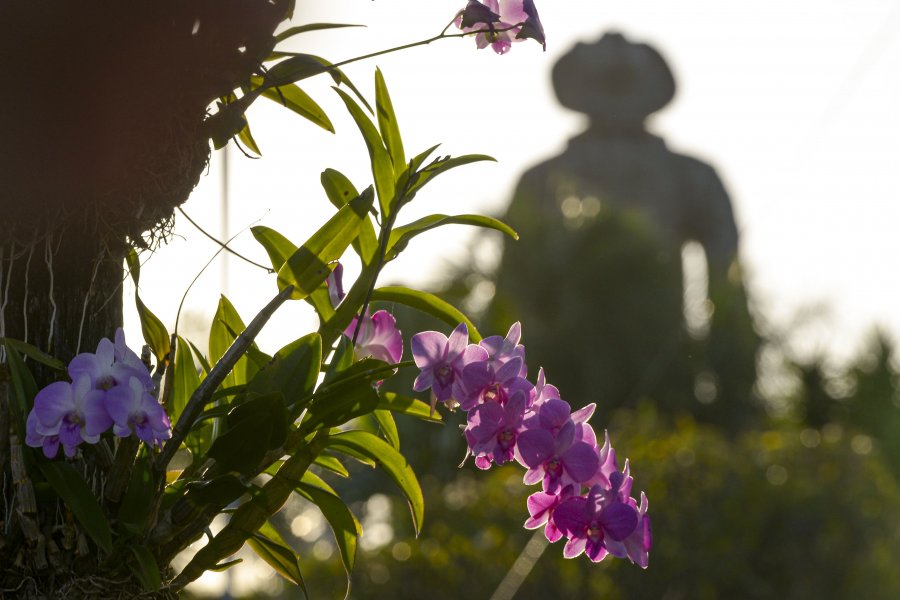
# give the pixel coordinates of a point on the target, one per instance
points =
(389, 459)
(407, 406)
(34, 353)
(278, 247)
(219, 491)
(387, 124)
(293, 69)
(345, 399)
(293, 370)
(387, 426)
(300, 65)
(185, 381)
(331, 463)
(292, 31)
(155, 334)
(413, 180)
(226, 326)
(204, 364)
(340, 191)
(382, 167)
(245, 136)
(78, 497)
(23, 386)
(226, 565)
(253, 428)
(144, 567)
(344, 525)
(427, 303)
(311, 264)
(269, 546)
(401, 236)
(295, 99)
(138, 499)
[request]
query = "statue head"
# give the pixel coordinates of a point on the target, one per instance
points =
(617, 83)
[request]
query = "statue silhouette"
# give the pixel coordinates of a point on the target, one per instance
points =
(598, 281)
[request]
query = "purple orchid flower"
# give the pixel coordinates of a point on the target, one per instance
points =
(591, 524)
(543, 391)
(636, 546)
(483, 381)
(492, 430)
(502, 350)
(49, 443)
(540, 508)
(552, 452)
(134, 410)
(501, 22)
(335, 284)
(112, 365)
(378, 337)
(441, 361)
(68, 414)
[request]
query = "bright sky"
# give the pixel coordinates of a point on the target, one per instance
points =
(795, 103)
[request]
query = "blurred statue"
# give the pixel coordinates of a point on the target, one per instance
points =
(599, 283)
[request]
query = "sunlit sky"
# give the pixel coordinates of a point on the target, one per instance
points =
(795, 103)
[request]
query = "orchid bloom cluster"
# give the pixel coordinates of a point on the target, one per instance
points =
(110, 388)
(584, 496)
(501, 22)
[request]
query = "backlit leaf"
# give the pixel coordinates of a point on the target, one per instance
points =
(389, 459)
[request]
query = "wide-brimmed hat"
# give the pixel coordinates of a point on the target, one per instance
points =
(613, 80)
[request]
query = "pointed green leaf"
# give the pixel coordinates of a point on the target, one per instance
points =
(389, 459)
(295, 99)
(344, 525)
(252, 428)
(185, 381)
(300, 65)
(331, 463)
(269, 546)
(340, 191)
(387, 426)
(138, 499)
(411, 181)
(427, 303)
(340, 402)
(34, 353)
(407, 406)
(204, 364)
(23, 387)
(247, 138)
(278, 247)
(387, 124)
(186, 377)
(226, 326)
(292, 31)
(382, 167)
(78, 497)
(295, 68)
(311, 264)
(155, 334)
(401, 236)
(144, 567)
(293, 370)
(226, 565)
